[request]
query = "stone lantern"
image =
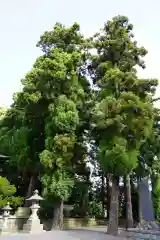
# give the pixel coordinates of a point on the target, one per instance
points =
(6, 210)
(5, 218)
(33, 224)
(35, 199)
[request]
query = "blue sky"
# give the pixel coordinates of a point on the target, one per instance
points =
(23, 21)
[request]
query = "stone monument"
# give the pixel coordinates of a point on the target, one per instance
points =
(146, 206)
(148, 228)
(33, 224)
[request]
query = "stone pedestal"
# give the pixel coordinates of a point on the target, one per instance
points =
(146, 230)
(149, 225)
(137, 234)
(33, 224)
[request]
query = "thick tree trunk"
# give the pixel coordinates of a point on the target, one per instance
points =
(56, 213)
(31, 188)
(58, 216)
(139, 204)
(61, 216)
(114, 206)
(108, 195)
(103, 194)
(84, 207)
(129, 213)
(85, 199)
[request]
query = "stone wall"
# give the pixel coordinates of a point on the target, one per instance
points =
(70, 223)
(16, 223)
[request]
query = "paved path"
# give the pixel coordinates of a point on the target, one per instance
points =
(78, 234)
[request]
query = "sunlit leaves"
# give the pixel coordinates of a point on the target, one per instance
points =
(66, 115)
(58, 185)
(47, 158)
(6, 189)
(61, 37)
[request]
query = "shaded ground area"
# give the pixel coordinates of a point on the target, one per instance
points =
(82, 234)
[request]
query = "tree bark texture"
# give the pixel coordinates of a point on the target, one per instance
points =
(58, 216)
(129, 213)
(108, 195)
(114, 207)
(139, 204)
(31, 188)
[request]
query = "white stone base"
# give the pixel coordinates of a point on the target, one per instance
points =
(149, 225)
(4, 232)
(33, 226)
(136, 233)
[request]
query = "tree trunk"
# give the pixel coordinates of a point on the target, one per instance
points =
(129, 213)
(85, 199)
(84, 206)
(58, 216)
(139, 204)
(31, 188)
(114, 206)
(61, 216)
(108, 195)
(56, 213)
(103, 193)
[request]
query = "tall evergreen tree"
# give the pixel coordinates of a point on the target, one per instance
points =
(64, 67)
(50, 112)
(47, 130)
(123, 114)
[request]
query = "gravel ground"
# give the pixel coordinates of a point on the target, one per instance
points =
(78, 234)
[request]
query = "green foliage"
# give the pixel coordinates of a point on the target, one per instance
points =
(6, 194)
(95, 209)
(156, 196)
(121, 117)
(47, 130)
(65, 115)
(64, 60)
(13, 201)
(42, 131)
(58, 185)
(2, 112)
(5, 188)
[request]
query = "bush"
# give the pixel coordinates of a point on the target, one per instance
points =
(95, 209)
(13, 201)
(7, 191)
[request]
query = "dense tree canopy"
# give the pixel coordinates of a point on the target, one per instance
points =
(83, 112)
